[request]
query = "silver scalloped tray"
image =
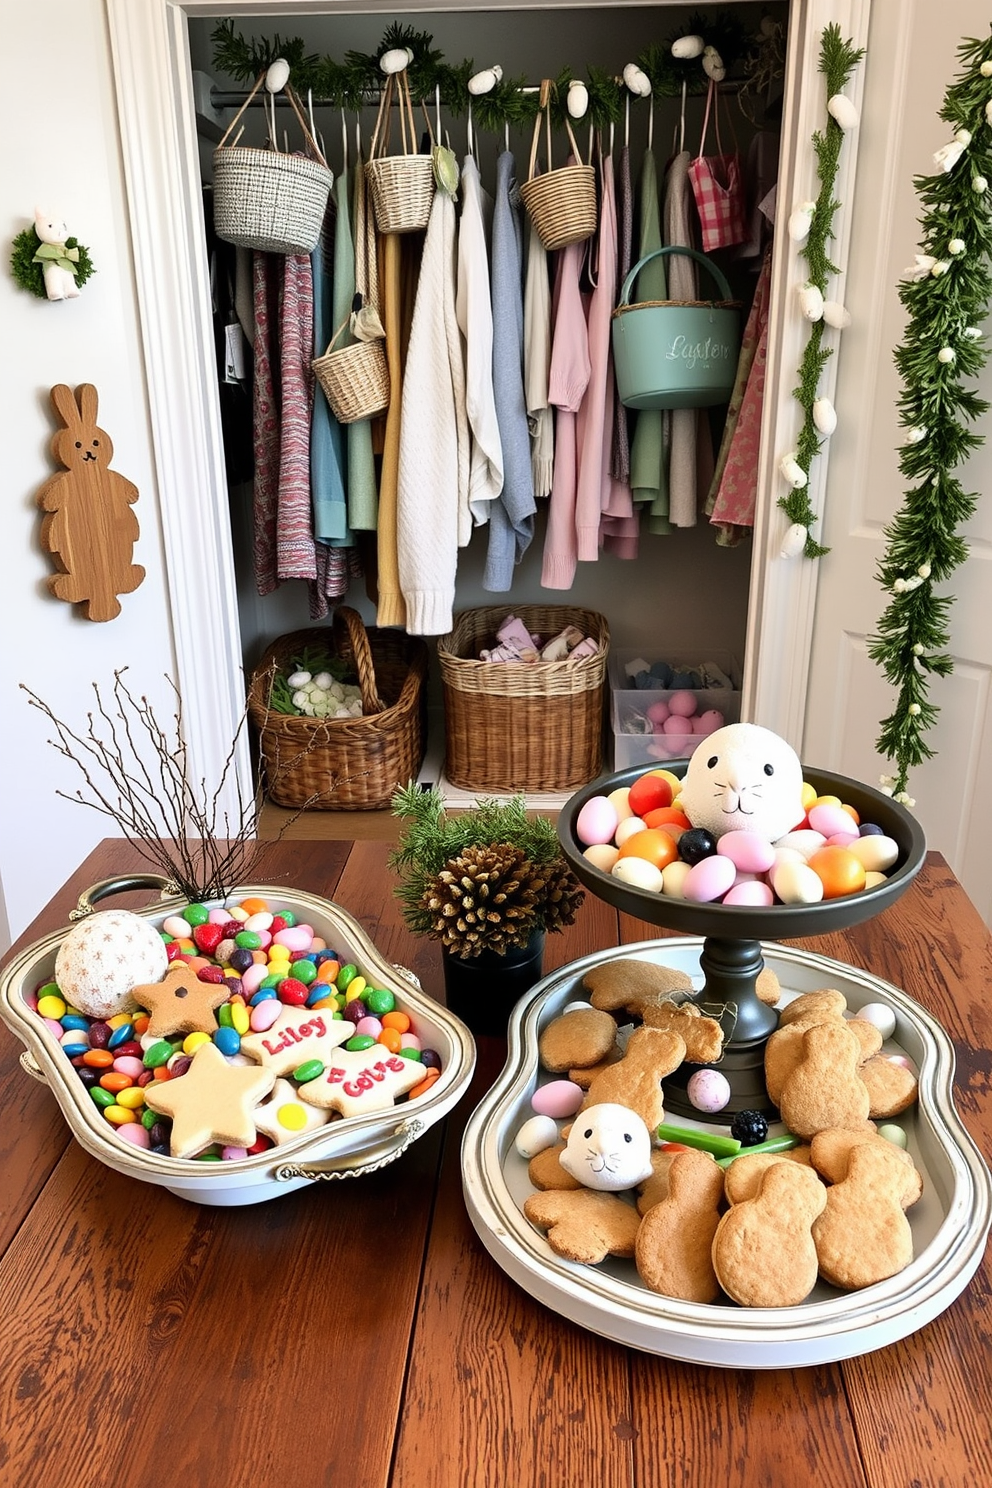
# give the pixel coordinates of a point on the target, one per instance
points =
(950, 1223)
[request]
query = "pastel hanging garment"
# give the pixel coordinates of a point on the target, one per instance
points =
(537, 362)
(682, 475)
(735, 484)
(328, 454)
(266, 274)
(620, 450)
(295, 555)
(618, 524)
(568, 377)
(511, 524)
(363, 495)
(474, 312)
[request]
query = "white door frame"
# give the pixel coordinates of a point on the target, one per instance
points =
(158, 139)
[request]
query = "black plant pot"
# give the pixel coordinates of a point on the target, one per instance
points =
(484, 989)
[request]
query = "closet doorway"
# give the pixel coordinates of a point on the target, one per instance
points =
(157, 107)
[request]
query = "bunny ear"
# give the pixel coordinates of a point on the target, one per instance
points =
(65, 405)
(86, 396)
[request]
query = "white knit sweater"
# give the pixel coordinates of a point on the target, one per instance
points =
(473, 309)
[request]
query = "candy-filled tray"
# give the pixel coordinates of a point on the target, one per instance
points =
(345, 1145)
(950, 1223)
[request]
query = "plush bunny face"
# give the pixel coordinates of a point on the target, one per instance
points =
(49, 229)
(744, 778)
(608, 1148)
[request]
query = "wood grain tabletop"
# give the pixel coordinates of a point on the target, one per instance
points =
(359, 1335)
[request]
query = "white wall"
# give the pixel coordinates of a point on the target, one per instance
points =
(62, 154)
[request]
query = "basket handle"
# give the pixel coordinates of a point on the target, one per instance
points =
(721, 282)
(318, 153)
(362, 652)
(544, 114)
(105, 887)
(382, 117)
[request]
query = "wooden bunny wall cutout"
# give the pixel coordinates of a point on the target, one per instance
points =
(89, 527)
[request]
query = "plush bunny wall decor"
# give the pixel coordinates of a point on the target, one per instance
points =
(89, 527)
(56, 259)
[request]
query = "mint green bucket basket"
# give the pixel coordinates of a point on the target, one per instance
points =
(676, 353)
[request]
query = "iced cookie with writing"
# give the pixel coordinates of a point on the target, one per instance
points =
(863, 1235)
(576, 1040)
(892, 1086)
(635, 1080)
(784, 1049)
(763, 1251)
(585, 1225)
(298, 1034)
(608, 1148)
(825, 1089)
(180, 1002)
(356, 1082)
(743, 1177)
(284, 1115)
(702, 1035)
(212, 1102)
(631, 985)
(546, 1172)
(674, 1245)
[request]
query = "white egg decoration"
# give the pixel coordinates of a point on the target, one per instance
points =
(627, 828)
(484, 81)
(876, 853)
(713, 64)
(638, 873)
(880, 1016)
(277, 76)
(601, 855)
(687, 47)
(577, 99)
(637, 80)
(104, 957)
(796, 883)
(395, 60)
(836, 315)
(536, 1134)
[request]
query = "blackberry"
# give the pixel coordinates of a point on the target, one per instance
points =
(749, 1128)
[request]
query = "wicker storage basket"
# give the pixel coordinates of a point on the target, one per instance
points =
(270, 200)
(402, 186)
(561, 203)
(514, 726)
(345, 764)
(355, 379)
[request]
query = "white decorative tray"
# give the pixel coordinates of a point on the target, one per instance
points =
(950, 1223)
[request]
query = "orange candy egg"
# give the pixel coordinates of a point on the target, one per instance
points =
(654, 845)
(668, 816)
(649, 792)
(839, 871)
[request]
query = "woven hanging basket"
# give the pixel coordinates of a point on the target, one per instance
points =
(518, 726)
(401, 186)
(270, 200)
(355, 379)
(560, 203)
(345, 764)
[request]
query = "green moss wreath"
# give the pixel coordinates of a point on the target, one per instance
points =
(30, 275)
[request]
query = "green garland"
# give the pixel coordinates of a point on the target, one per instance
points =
(31, 275)
(838, 60)
(946, 294)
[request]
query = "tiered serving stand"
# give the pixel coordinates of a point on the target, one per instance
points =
(723, 950)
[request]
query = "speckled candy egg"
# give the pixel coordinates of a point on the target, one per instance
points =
(708, 1090)
(106, 955)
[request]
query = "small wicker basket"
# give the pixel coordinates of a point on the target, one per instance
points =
(561, 203)
(345, 764)
(402, 186)
(355, 378)
(518, 726)
(270, 200)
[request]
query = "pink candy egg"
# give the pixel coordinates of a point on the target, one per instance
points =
(264, 1014)
(596, 822)
(657, 713)
(747, 851)
(828, 819)
(708, 1090)
(682, 704)
(842, 839)
(709, 879)
(558, 1098)
(755, 893)
(294, 937)
(253, 978)
(134, 1133)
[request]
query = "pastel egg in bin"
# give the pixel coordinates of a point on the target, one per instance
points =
(682, 703)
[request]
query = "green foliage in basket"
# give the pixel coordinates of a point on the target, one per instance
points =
(482, 879)
(313, 659)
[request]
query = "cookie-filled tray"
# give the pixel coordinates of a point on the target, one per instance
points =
(950, 1223)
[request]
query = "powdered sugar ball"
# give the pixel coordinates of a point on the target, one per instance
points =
(104, 957)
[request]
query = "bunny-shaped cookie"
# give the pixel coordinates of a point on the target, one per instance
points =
(89, 529)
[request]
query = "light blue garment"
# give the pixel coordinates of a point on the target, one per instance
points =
(328, 454)
(511, 525)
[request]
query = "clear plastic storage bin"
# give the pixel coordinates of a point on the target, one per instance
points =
(642, 733)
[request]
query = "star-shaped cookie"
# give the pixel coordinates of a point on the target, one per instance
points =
(284, 1115)
(358, 1082)
(212, 1102)
(181, 1003)
(298, 1034)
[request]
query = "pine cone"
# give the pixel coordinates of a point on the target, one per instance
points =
(562, 897)
(488, 898)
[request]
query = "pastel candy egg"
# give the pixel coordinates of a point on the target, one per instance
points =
(747, 851)
(535, 1135)
(601, 855)
(872, 880)
(682, 704)
(830, 819)
(596, 822)
(796, 883)
(708, 880)
(755, 894)
(627, 828)
(876, 854)
(619, 799)
(638, 873)
(673, 879)
(264, 1014)
(803, 841)
(842, 839)
(894, 1134)
(881, 1016)
(294, 937)
(177, 927)
(840, 871)
(708, 1090)
(253, 977)
(788, 855)
(558, 1098)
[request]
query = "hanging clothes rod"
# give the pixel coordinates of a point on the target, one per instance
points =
(223, 98)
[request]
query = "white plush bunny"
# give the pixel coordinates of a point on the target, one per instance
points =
(744, 778)
(56, 260)
(608, 1148)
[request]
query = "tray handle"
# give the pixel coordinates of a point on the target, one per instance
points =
(29, 1067)
(107, 886)
(393, 1146)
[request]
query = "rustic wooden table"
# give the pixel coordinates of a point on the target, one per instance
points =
(358, 1334)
